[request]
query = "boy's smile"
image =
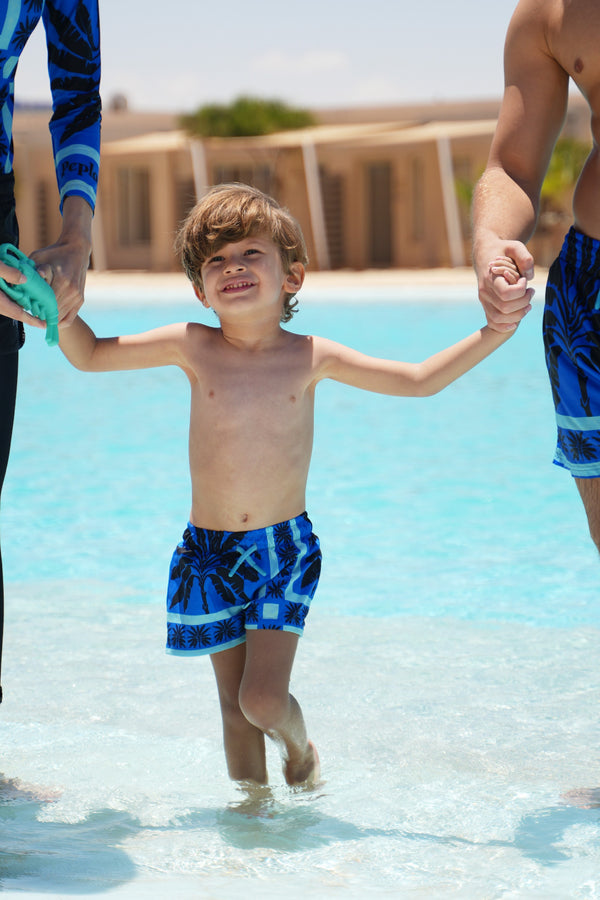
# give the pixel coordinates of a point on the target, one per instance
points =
(238, 286)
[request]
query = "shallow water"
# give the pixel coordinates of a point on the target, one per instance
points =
(448, 674)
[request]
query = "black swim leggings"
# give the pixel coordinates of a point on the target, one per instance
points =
(9, 365)
(11, 339)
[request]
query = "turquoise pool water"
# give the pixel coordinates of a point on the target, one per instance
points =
(448, 672)
(448, 505)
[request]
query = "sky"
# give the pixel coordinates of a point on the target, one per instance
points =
(319, 54)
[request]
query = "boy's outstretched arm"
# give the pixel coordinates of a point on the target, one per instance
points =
(78, 343)
(159, 347)
(402, 379)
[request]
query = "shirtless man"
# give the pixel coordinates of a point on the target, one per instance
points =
(548, 43)
(243, 577)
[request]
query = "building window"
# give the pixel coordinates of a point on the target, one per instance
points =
(185, 198)
(133, 206)
(418, 199)
(334, 211)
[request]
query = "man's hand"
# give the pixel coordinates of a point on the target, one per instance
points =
(503, 290)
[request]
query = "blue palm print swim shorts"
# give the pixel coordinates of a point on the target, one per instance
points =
(572, 344)
(223, 583)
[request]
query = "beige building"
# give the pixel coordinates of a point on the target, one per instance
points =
(374, 188)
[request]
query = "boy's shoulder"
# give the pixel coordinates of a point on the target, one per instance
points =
(197, 331)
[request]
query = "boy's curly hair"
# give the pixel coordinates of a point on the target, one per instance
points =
(229, 213)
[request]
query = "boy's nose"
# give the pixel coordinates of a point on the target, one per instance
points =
(234, 265)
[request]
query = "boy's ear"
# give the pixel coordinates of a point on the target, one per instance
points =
(200, 295)
(294, 278)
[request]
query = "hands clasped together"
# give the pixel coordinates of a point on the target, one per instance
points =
(503, 289)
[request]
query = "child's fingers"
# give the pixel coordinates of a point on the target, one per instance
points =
(507, 260)
(511, 276)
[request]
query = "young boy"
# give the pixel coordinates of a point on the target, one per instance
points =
(243, 576)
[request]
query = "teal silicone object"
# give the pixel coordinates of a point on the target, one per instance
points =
(35, 295)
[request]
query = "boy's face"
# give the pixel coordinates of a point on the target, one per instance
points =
(246, 276)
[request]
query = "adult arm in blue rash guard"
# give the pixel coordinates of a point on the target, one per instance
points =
(73, 41)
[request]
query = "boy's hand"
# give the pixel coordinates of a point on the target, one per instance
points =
(506, 268)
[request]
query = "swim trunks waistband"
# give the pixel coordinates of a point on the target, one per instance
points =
(258, 535)
(581, 252)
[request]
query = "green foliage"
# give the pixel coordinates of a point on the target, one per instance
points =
(245, 117)
(565, 165)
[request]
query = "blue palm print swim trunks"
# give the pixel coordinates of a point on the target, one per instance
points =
(223, 583)
(572, 344)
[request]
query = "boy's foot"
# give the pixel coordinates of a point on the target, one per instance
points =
(584, 798)
(13, 789)
(315, 777)
(308, 774)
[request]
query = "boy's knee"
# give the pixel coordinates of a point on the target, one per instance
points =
(230, 709)
(264, 709)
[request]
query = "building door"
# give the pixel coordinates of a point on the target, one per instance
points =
(379, 214)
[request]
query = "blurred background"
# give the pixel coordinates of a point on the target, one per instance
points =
(372, 124)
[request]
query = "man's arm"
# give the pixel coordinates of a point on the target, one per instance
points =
(506, 199)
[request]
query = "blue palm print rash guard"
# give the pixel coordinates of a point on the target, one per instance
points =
(73, 41)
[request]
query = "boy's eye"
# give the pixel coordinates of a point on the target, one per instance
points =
(214, 259)
(251, 250)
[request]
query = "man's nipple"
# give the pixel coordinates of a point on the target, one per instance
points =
(578, 65)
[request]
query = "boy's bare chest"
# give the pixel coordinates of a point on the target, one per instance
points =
(232, 395)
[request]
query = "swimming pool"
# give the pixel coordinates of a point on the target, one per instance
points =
(448, 673)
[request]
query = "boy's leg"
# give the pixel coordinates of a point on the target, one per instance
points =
(244, 743)
(589, 490)
(267, 703)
